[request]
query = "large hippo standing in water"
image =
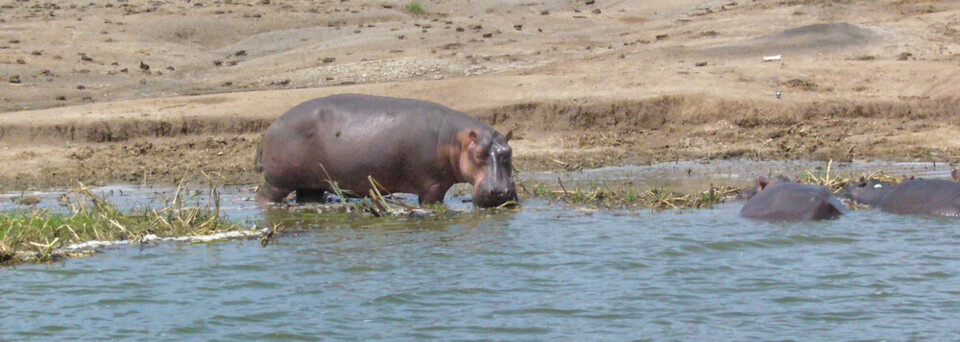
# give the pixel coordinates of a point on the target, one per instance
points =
(406, 145)
(783, 200)
(926, 197)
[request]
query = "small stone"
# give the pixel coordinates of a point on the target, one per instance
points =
(227, 84)
(487, 35)
(14, 41)
(217, 63)
(144, 66)
(545, 12)
(124, 70)
(240, 53)
(170, 68)
(589, 2)
(15, 79)
(86, 58)
(81, 87)
(596, 11)
(518, 27)
(61, 98)
(36, 53)
(700, 64)
(460, 29)
(21, 62)
(329, 59)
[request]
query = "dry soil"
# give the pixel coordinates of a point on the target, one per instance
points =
(151, 91)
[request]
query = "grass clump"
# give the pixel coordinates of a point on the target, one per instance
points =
(623, 196)
(35, 235)
(837, 182)
(414, 7)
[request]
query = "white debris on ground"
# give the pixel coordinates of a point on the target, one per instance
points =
(151, 238)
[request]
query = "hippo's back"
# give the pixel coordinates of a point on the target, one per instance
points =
(933, 197)
(789, 201)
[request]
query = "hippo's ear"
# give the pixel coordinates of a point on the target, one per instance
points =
(762, 183)
(510, 136)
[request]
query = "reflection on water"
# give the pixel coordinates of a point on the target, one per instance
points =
(545, 272)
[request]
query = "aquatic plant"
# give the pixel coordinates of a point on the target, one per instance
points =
(36, 234)
(625, 196)
(836, 182)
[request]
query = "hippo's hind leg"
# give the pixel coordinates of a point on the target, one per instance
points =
(271, 194)
(309, 195)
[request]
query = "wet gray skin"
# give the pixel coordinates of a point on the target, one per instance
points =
(925, 197)
(406, 145)
(870, 192)
(783, 200)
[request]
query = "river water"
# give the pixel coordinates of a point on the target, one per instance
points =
(544, 272)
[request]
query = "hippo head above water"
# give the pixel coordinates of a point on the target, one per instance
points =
(486, 162)
(869, 191)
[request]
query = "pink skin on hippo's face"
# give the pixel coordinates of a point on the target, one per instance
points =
(486, 162)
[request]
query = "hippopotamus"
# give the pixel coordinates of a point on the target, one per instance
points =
(924, 197)
(406, 145)
(780, 199)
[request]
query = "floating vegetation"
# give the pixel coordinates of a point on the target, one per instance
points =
(38, 234)
(375, 204)
(624, 196)
(837, 182)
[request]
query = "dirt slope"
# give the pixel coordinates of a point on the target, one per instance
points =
(153, 90)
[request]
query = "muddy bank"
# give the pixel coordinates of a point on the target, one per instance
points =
(552, 135)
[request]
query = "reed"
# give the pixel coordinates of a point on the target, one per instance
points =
(35, 235)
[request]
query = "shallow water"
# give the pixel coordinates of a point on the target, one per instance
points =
(544, 272)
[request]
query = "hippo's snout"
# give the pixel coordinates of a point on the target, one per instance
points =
(495, 196)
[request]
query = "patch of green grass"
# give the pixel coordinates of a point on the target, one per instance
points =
(414, 7)
(619, 197)
(37, 234)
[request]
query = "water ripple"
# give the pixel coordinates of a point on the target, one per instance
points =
(542, 273)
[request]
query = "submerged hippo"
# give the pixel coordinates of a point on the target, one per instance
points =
(406, 145)
(783, 200)
(927, 197)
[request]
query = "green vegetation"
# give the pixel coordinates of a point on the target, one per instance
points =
(623, 196)
(35, 235)
(414, 7)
